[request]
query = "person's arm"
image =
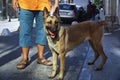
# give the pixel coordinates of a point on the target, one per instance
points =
(15, 4)
(56, 4)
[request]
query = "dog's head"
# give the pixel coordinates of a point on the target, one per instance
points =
(51, 23)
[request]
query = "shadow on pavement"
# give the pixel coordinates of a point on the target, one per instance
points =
(9, 49)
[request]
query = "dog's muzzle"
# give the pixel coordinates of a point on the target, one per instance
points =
(52, 32)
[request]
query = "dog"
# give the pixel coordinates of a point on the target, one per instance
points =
(63, 39)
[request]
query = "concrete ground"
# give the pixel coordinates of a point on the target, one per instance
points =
(76, 60)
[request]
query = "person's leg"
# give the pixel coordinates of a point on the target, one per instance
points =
(40, 51)
(25, 51)
(25, 37)
(41, 39)
(24, 62)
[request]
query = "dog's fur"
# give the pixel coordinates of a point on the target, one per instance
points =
(61, 40)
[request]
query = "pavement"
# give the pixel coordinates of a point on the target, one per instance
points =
(12, 26)
(76, 60)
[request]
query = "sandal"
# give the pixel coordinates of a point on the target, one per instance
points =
(44, 62)
(23, 64)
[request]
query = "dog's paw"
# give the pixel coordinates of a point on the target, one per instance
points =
(98, 68)
(51, 76)
(90, 63)
(59, 78)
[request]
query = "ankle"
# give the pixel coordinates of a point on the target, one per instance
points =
(25, 59)
(40, 58)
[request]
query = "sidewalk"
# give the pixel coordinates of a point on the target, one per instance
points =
(12, 26)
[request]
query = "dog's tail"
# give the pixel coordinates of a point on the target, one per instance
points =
(103, 22)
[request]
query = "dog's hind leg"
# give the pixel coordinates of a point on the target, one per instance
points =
(55, 63)
(96, 55)
(102, 54)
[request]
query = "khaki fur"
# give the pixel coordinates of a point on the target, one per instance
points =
(65, 39)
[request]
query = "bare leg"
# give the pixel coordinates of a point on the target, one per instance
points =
(41, 58)
(24, 62)
(25, 52)
(40, 51)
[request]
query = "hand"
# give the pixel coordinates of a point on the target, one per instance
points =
(15, 5)
(56, 5)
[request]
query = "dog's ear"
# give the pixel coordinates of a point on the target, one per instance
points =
(45, 13)
(56, 13)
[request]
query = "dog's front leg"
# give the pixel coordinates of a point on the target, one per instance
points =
(62, 66)
(55, 62)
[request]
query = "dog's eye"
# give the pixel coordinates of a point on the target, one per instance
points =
(48, 28)
(49, 22)
(56, 22)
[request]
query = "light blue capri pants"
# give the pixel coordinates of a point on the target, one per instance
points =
(26, 26)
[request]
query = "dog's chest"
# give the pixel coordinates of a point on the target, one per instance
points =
(52, 45)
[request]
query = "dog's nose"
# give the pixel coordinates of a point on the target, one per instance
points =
(53, 29)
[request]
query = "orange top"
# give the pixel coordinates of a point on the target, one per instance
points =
(35, 4)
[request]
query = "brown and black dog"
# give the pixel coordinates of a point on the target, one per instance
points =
(61, 40)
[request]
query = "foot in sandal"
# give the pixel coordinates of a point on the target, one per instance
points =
(44, 62)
